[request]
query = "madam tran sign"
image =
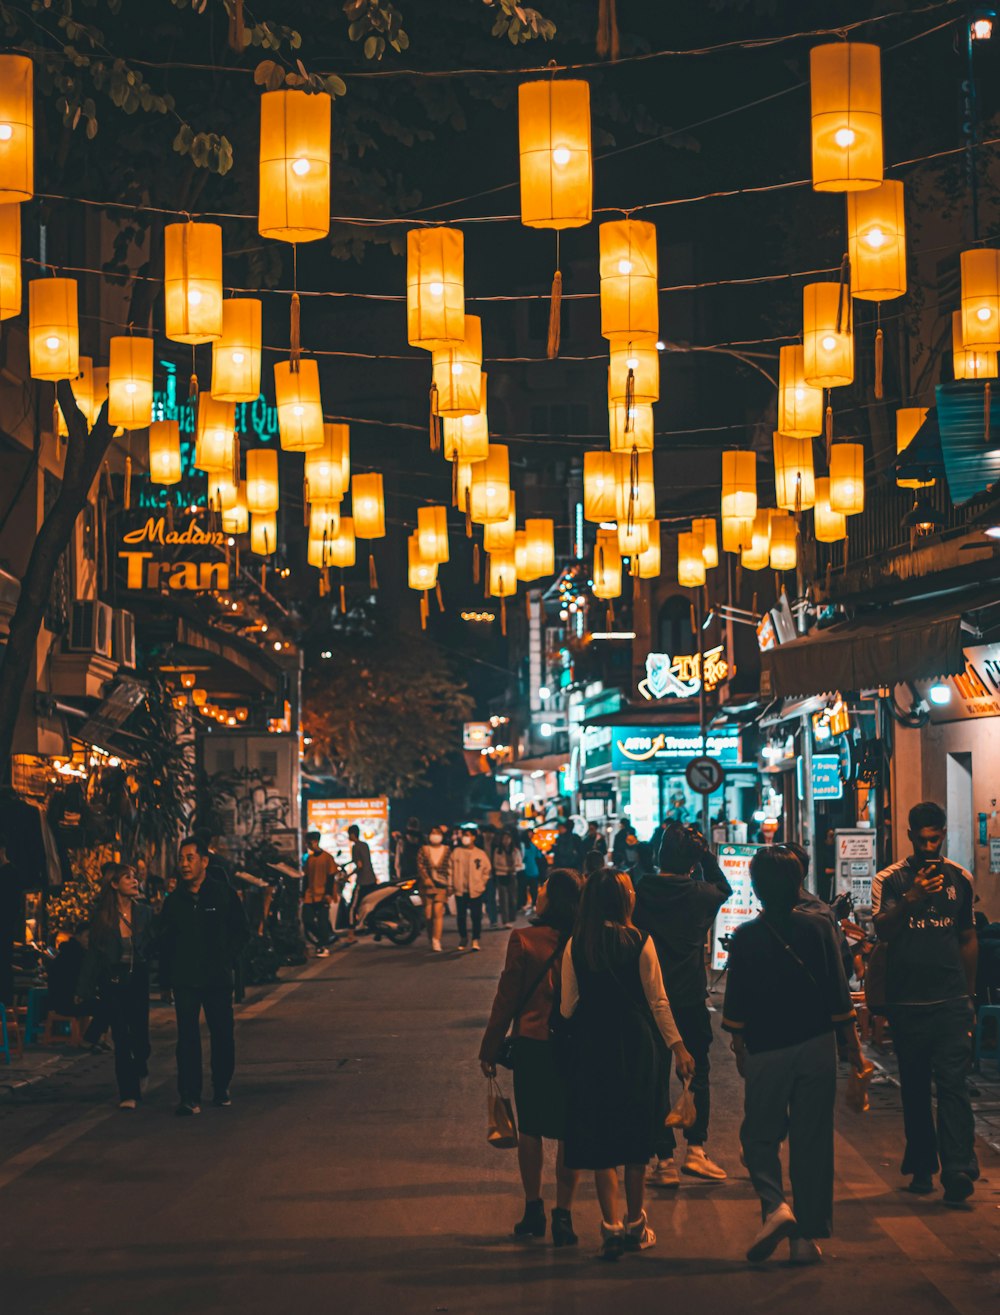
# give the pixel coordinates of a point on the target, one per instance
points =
(155, 557)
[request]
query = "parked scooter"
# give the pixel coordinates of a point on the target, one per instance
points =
(394, 910)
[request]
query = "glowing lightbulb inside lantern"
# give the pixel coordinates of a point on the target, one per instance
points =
(983, 314)
(457, 368)
(876, 238)
(238, 358)
(52, 342)
(298, 410)
(489, 490)
(6, 132)
(828, 343)
(194, 297)
(624, 267)
(800, 394)
(468, 421)
(301, 168)
(130, 387)
(844, 137)
(436, 289)
(632, 362)
(560, 155)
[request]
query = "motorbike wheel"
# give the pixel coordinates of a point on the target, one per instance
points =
(405, 931)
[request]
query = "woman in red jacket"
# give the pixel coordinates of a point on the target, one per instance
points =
(527, 996)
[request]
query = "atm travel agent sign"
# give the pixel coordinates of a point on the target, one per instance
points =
(659, 748)
(154, 556)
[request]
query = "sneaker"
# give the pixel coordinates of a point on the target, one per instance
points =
(435, 945)
(612, 1241)
(128, 1104)
(664, 1174)
(778, 1225)
(958, 1187)
(322, 954)
(186, 1108)
(698, 1165)
(475, 946)
(638, 1234)
(222, 1100)
(921, 1184)
(803, 1251)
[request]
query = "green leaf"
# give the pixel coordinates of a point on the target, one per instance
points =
(263, 71)
(371, 47)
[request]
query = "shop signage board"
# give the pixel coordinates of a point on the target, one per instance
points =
(477, 735)
(994, 854)
(153, 554)
(704, 775)
(659, 748)
(741, 906)
(332, 817)
(827, 781)
(975, 693)
(682, 677)
(854, 864)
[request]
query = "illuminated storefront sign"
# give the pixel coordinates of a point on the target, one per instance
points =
(833, 720)
(973, 694)
(653, 749)
(155, 557)
(827, 780)
(681, 677)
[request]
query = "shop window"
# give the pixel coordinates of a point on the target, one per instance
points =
(674, 629)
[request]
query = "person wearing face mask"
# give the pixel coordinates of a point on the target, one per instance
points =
(470, 871)
(434, 870)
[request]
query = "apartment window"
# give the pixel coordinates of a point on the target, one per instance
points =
(268, 762)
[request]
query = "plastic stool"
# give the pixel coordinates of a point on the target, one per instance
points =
(34, 1019)
(980, 1052)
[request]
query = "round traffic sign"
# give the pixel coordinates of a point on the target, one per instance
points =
(704, 775)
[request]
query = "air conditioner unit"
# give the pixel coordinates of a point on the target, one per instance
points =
(123, 639)
(91, 628)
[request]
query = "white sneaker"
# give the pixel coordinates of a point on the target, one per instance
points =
(698, 1165)
(322, 954)
(779, 1224)
(475, 945)
(638, 1234)
(803, 1251)
(664, 1174)
(127, 1104)
(436, 945)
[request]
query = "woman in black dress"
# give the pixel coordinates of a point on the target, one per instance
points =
(617, 1055)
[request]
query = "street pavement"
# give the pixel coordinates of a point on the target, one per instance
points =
(352, 1174)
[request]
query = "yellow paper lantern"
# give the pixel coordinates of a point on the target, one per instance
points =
(784, 541)
(236, 355)
(846, 86)
(800, 405)
(737, 533)
(829, 526)
(631, 427)
(490, 487)
(421, 571)
(294, 166)
(970, 362)
(236, 519)
(981, 299)
(223, 491)
(53, 329)
(876, 242)
(263, 533)
(498, 536)
(432, 528)
(755, 551)
(457, 373)
(540, 545)
(165, 452)
(467, 437)
(704, 527)
(324, 520)
(908, 421)
(847, 478)
(521, 554)
(192, 282)
(739, 486)
(215, 429)
(607, 565)
(368, 506)
(647, 564)
(326, 477)
(17, 129)
(629, 293)
(10, 259)
(502, 575)
(342, 548)
(130, 382)
(827, 350)
(690, 562)
(300, 407)
(319, 552)
(599, 486)
(262, 481)
(794, 474)
(435, 287)
(633, 539)
(634, 371)
(635, 492)
(557, 186)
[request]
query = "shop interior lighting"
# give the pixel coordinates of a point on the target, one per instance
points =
(545, 728)
(612, 634)
(939, 694)
(923, 518)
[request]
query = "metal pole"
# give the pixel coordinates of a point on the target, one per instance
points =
(701, 708)
(971, 124)
(807, 824)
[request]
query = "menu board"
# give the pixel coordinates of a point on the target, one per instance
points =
(741, 906)
(332, 817)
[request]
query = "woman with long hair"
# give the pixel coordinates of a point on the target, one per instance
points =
(526, 997)
(116, 970)
(622, 1028)
(508, 862)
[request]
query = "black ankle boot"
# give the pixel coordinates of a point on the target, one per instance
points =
(562, 1228)
(533, 1223)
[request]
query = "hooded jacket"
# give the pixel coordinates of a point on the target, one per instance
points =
(677, 912)
(470, 871)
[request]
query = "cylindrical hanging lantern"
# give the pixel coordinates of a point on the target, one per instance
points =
(630, 306)
(223, 492)
(214, 430)
(739, 486)
(324, 520)
(300, 407)
(737, 533)
(17, 129)
(847, 478)
(53, 329)
(970, 362)
(540, 545)
(294, 165)
(784, 541)
(607, 565)
(631, 426)
(755, 549)
(421, 571)
(635, 492)
(557, 185)
(262, 480)
(467, 437)
(827, 336)
(368, 506)
(10, 258)
(165, 452)
(192, 282)
(236, 519)
(634, 371)
(908, 421)
(502, 574)
(846, 86)
(794, 474)
(432, 527)
(343, 546)
(800, 405)
(236, 355)
(981, 299)
(647, 564)
(690, 562)
(318, 552)
(435, 287)
(598, 486)
(633, 539)
(498, 536)
(325, 476)
(876, 242)
(263, 533)
(490, 488)
(704, 527)
(457, 373)
(829, 526)
(130, 382)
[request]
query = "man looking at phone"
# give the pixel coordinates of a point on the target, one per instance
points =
(922, 909)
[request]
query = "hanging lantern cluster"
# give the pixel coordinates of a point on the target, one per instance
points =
(17, 129)
(294, 166)
(794, 475)
(53, 329)
(554, 142)
(130, 383)
(846, 94)
(192, 282)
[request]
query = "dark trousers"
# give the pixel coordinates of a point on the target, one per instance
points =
(490, 900)
(694, 1023)
(217, 1002)
(127, 1004)
(932, 1042)
(316, 924)
(473, 906)
(99, 1022)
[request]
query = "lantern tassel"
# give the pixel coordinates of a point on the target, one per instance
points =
(630, 401)
(633, 486)
(829, 431)
(305, 503)
(435, 420)
(423, 610)
(555, 317)
(468, 514)
(608, 40)
(295, 332)
(503, 616)
(987, 404)
(879, 361)
(263, 575)
(193, 387)
(237, 558)
(694, 619)
(128, 483)
(844, 296)
(454, 480)
(343, 599)
(324, 585)
(372, 574)
(610, 618)
(440, 596)
(55, 420)
(475, 564)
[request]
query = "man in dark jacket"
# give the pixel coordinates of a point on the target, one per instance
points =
(620, 842)
(567, 852)
(677, 908)
(202, 930)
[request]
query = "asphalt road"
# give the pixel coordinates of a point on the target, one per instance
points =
(352, 1174)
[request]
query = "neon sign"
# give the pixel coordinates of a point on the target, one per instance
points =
(681, 677)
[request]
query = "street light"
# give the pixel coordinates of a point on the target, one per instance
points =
(981, 24)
